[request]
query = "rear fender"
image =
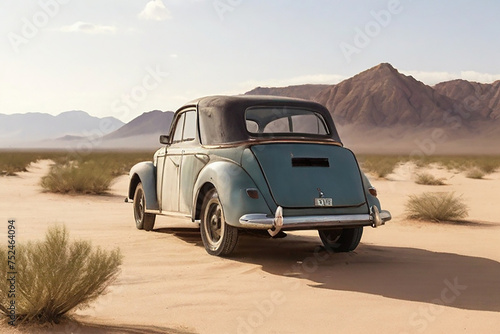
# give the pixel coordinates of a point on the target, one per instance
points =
(144, 172)
(231, 182)
(372, 200)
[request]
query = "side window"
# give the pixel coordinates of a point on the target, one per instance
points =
(190, 126)
(177, 137)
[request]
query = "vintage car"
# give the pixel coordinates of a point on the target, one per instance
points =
(256, 162)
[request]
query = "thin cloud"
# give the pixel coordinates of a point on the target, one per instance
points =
(432, 78)
(155, 10)
(328, 79)
(89, 28)
(479, 77)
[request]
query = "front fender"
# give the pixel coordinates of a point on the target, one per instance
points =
(231, 182)
(144, 172)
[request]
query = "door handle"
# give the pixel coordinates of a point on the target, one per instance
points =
(175, 163)
(203, 157)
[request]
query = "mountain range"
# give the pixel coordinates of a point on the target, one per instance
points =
(37, 128)
(379, 110)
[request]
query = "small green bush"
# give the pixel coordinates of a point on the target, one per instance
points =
(55, 276)
(429, 179)
(436, 207)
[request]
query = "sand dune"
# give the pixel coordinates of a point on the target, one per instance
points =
(405, 277)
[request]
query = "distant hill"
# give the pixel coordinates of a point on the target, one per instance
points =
(383, 97)
(143, 132)
(19, 129)
(155, 122)
(473, 97)
(306, 92)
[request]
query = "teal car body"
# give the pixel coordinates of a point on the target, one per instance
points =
(260, 163)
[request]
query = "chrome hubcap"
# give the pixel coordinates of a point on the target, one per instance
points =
(215, 219)
(214, 223)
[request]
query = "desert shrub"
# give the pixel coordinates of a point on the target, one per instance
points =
(117, 163)
(55, 276)
(12, 163)
(90, 173)
(83, 178)
(423, 161)
(380, 165)
(428, 179)
(475, 173)
(487, 165)
(436, 207)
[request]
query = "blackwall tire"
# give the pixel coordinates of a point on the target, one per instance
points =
(143, 220)
(341, 240)
(218, 237)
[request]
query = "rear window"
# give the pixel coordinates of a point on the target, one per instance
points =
(283, 121)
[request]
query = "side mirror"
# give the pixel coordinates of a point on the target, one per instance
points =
(164, 139)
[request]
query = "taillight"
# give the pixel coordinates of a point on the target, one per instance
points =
(373, 191)
(253, 193)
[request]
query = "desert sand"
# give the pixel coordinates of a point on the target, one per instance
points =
(405, 277)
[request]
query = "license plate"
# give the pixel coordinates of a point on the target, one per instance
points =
(323, 202)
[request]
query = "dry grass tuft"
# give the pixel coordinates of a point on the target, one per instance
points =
(436, 207)
(429, 179)
(55, 276)
(475, 173)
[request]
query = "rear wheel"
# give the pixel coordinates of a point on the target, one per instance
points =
(341, 240)
(143, 220)
(218, 237)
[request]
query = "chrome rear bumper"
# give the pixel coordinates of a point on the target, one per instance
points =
(278, 222)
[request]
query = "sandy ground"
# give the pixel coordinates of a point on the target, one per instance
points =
(405, 277)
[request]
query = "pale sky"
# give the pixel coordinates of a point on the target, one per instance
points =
(122, 58)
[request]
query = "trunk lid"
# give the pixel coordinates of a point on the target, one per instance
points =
(299, 174)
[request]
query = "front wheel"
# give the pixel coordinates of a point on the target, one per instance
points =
(341, 240)
(143, 220)
(218, 237)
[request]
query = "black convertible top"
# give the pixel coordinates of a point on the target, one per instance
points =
(222, 118)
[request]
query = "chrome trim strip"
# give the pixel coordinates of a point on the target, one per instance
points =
(253, 141)
(264, 222)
